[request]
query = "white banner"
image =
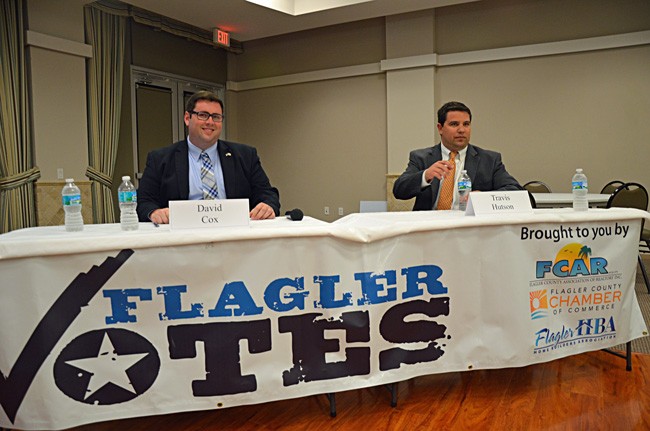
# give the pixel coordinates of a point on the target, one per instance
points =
(290, 312)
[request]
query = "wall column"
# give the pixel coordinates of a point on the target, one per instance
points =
(410, 102)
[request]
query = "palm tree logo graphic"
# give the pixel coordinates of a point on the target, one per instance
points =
(572, 252)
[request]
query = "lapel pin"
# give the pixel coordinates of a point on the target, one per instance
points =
(228, 154)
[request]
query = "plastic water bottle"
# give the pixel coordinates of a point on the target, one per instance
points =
(580, 190)
(464, 189)
(71, 198)
(128, 198)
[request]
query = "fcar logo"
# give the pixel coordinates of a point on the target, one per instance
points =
(572, 260)
(538, 304)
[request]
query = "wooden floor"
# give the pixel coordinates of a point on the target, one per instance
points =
(591, 391)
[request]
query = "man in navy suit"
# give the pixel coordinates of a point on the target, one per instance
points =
(429, 167)
(174, 172)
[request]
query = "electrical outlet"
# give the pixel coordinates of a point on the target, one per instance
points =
(59, 173)
(327, 210)
(340, 210)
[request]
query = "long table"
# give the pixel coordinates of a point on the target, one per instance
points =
(559, 200)
(104, 324)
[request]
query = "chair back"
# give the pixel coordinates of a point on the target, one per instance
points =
(634, 195)
(611, 187)
(537, 187)
(629, 195)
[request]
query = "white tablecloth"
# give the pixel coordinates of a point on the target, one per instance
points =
(104, 324)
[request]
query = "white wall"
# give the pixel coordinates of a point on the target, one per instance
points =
(550, 115)
(587, 96)
(410, 91)
(58, 87)
(321, 143)
(329, 140)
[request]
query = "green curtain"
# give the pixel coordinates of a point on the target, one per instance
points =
(106, 33)
(17, 170)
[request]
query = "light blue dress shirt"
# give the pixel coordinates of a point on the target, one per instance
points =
(194, 154)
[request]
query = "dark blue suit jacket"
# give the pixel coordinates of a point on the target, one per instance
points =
(484, 167)
(166, 177)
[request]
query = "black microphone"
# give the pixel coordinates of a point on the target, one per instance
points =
(294, 214)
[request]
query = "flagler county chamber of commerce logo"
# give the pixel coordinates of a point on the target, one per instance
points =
(538, 304)
(572, 261)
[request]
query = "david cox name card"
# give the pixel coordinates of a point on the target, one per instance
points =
(208, 214)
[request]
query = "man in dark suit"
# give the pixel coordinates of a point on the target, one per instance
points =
(175, 172)
(429, 168)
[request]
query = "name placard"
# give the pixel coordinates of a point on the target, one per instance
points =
(501, 202)
(208, 214)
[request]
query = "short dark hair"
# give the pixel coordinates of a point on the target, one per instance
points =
(202, 95)
(452, 106)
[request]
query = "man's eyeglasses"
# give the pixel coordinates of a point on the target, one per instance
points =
(203, 116)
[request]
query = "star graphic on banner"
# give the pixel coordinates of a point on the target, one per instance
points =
(107, 367)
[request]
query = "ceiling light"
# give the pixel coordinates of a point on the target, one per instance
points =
(301, 7)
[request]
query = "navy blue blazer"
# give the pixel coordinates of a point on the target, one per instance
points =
(484, 167)
(166, 177)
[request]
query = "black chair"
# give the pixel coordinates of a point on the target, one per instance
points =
(644, 247)
(629, 195)
(634, 195)
(611, 187)
(537, 187)
(533, 202)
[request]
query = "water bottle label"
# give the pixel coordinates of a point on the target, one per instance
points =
(579, 185)
(464, 185)
(130, 196)
(71, 200)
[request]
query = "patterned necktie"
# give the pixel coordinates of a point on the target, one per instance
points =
(208, 185)
(447, 192)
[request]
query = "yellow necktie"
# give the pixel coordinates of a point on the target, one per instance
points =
(447, 192)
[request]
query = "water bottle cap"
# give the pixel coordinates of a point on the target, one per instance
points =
(579, 170)
(69, 180)
(126, 178)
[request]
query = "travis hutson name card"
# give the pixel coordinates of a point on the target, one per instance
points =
(208, 214)
(502, 202)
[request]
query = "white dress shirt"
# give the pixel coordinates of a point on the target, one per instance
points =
(460, 165)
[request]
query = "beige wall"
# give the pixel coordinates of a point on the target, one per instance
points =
(59, 113)
(328, 138)
(337, 46)
(151, 49)
(410, 34)
(58, 88)
(547, 114)
(411, 112)
(409, 91)
(499, 23)
(550, 115)
(322, 143)
(61, 18)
